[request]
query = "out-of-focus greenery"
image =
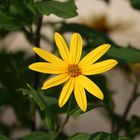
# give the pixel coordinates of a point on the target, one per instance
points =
(27, 99)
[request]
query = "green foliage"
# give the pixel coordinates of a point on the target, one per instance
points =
(7, 22)
(37, 135)
(34, 95)
(24, 16)
(135, 4)
(77, 111)
(80, 136)
(95, 38)
(4, 96)
(133, 126)
(97, 136)
(16, 14)
(3, 137)
(61, 9)
(44, 103)
(101, 81)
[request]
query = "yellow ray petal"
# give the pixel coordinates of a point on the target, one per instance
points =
(62, 47)
(66, 92)
(49, 68)
(94, 55)
(46, 55)
(75, 48)
(80, 95)
(57, 80)
(99, 67)
(90, 86)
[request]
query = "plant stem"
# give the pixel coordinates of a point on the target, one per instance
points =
(37, 44)
(67, 117)
(128, 107)
(37, 40)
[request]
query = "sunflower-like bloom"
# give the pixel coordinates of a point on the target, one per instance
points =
(71, 71)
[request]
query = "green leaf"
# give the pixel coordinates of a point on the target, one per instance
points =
(133, 126)
(44, 103)
(77, 111)
(34, 95)
(101, 81)
(61, 9)
(94, 38)
(124, 54)
(135, 4)
(97, 136)
(7, 22)
(37, 135)
(80, 136)
(2, 137)
(106, 136)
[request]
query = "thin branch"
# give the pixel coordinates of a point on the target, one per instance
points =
(128, 107)
(37, 40)
(66, 119)
(37, 44)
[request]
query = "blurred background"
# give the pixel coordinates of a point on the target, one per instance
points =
(119, 21)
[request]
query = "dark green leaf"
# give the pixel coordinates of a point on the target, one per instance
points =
(135, 4)
(94, 38)
(61, 9)
(80, 136)
(44, 103)
(77, 111)
(34, 95)
(133, 126)
(106, 136)
(7, 22)
(97, 136)
(37, 135)
(4, 137)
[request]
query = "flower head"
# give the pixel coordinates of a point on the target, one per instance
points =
(71, 70)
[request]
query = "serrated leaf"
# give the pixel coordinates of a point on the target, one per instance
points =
(61, 9)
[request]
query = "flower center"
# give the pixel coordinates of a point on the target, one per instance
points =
(74, 70)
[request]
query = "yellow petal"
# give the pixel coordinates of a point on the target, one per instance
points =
(94, 55)
(49, 68)
(90, 86)
(75, 48)
(46, 55)
(80, 95)
(99, 67)
(62, 47)
(57, 80)
(66, 92)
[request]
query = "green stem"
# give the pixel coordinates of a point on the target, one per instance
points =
(67, 117)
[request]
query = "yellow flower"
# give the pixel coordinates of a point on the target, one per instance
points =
(71, 70)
